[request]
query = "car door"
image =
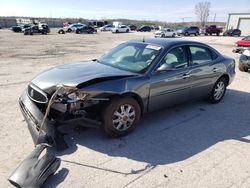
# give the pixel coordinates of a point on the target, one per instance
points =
(168, 33)
(173, 85)
(123, 29)
(205, 70)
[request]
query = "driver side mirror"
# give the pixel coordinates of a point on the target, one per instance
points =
(165, 67)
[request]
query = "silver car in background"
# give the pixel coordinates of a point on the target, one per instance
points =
(165, 32)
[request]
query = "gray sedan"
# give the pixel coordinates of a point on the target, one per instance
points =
(114, 91)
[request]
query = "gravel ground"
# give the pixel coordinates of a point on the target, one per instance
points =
(191, 145)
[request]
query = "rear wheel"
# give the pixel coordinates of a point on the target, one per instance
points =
(127, 31)
(218, 91)
(163, 36)
(120, 116)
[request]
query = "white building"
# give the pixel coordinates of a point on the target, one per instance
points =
(239, 21)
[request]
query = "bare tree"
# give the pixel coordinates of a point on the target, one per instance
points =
(202, 10)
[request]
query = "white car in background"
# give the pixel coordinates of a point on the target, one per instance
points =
(165, 32)
(121, 29)
(107, 27)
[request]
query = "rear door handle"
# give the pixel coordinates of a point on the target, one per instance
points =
(185, 76)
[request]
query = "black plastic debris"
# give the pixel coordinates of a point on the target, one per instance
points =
(34, 170)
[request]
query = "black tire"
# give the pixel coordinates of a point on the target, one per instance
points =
(213, 98)
(186, 34)
(69, 30)
(117, 31)
(217, 34)
(127, 31)
(242, 67)
(163, 36)
(108, 117)
(173, 35)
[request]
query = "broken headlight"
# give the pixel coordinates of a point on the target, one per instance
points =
(69, 94)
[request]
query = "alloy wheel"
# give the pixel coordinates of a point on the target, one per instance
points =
(219, 90)
(124, 117)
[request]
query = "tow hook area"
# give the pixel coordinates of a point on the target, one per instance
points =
(34, 170)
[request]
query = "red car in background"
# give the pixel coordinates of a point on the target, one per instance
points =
(242, 44)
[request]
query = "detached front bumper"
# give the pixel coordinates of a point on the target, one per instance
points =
(240, 49)
(49, 133)
(34, 117)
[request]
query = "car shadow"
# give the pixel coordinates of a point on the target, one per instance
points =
(172, 135)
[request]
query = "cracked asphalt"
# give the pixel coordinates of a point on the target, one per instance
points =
(195, 144)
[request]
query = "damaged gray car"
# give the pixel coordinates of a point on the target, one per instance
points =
(113, 92)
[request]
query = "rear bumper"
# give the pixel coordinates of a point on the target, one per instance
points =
(34, 117)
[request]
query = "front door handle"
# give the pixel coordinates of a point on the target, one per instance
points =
(185, 76)
(215, 69)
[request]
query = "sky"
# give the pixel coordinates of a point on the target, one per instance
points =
(161, 10)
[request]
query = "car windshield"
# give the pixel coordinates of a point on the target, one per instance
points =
(246, 38)
(133, 57)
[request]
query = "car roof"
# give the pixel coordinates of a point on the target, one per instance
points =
(166, 42)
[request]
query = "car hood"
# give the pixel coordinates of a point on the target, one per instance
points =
(77, 73)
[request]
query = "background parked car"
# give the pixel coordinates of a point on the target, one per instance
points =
(86, 29)
(186, 31)
(213, 29)
(242, 44)
(37, 29)
(165, 32)
(144, 28)
(107, 27)
(232, 32)
(244, 62)
(19, 28)
(73, 27)
(132, 27)
(120, 29)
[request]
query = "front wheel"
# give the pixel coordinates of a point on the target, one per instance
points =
(218, 91)
(242, 67)
(120, 116)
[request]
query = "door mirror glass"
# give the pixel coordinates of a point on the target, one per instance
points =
(165, 67)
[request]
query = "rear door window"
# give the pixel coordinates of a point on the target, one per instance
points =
(200, 55)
